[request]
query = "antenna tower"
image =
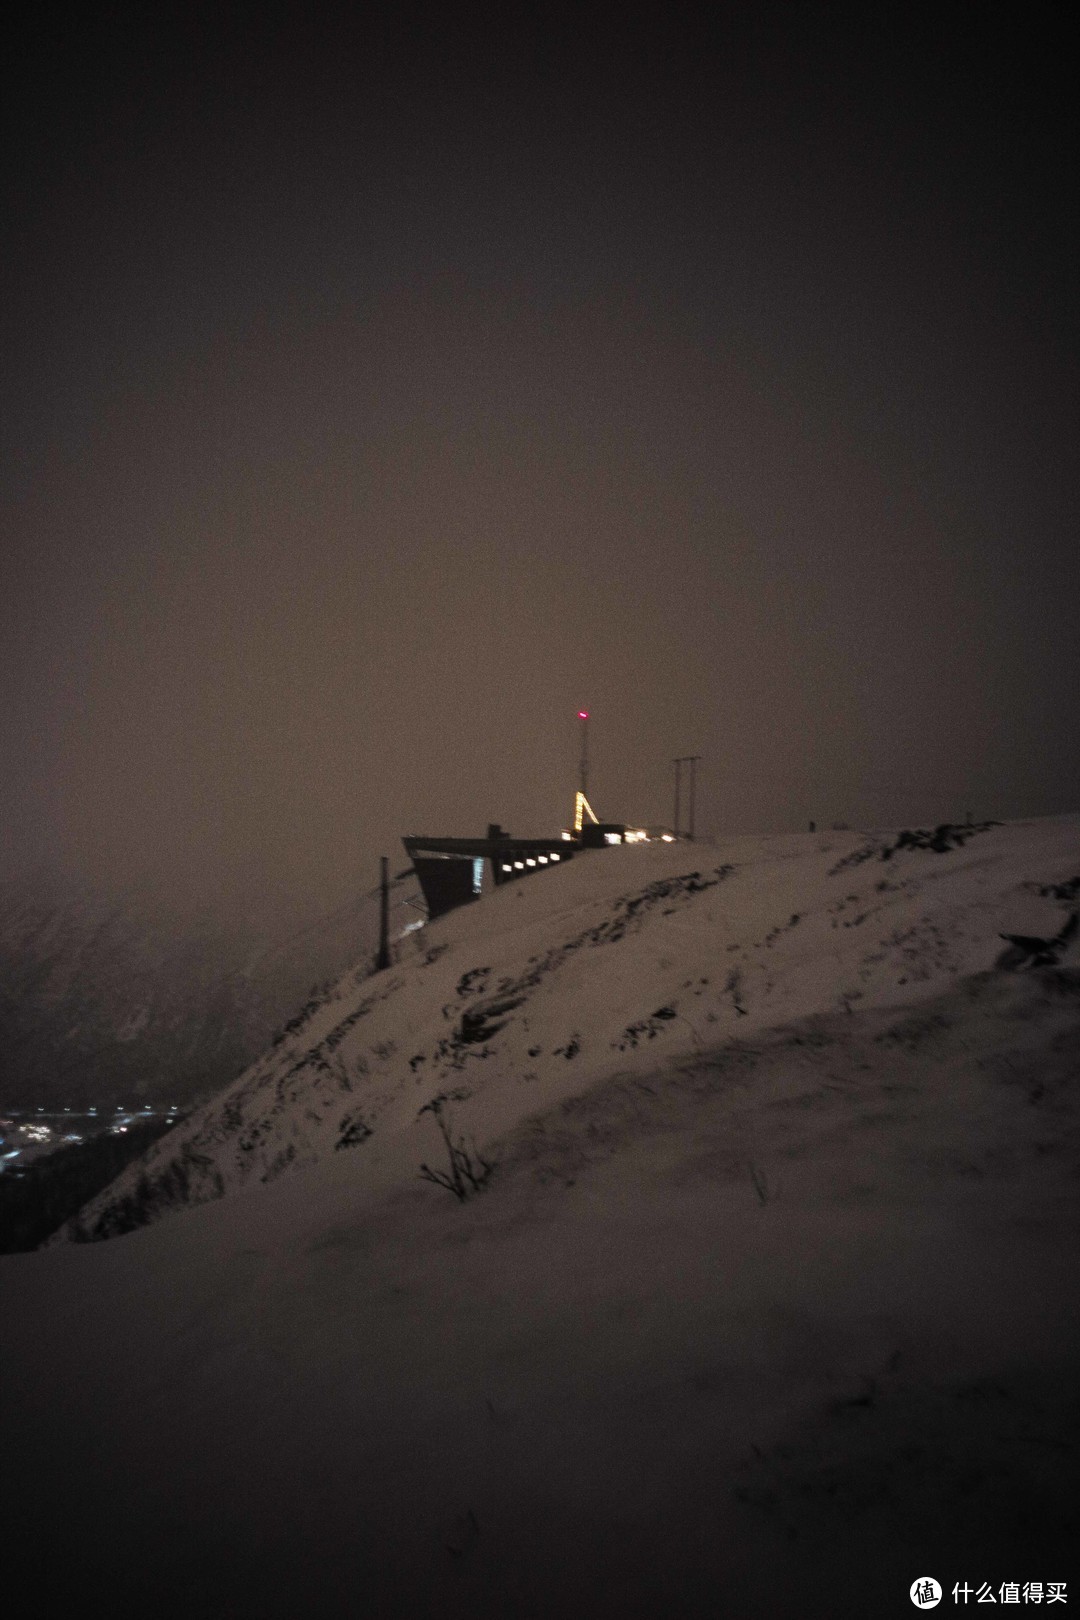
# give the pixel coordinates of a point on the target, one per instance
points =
(582, 807)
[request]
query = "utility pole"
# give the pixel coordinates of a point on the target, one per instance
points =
(691, 760)
(383, 958)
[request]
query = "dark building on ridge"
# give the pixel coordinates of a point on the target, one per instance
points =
(451, 870)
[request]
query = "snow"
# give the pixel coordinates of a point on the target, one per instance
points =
(770, 1306)
(135, 995)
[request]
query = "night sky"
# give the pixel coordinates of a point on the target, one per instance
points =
(376, 395)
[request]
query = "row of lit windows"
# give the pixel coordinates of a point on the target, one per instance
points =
(538, 860)
(630, 835)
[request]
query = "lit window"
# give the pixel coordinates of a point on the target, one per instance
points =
(612, 838)
(542, 859)
(530, 861)
(519, 866)
(555, 857)
(507, 867)
(567, 836)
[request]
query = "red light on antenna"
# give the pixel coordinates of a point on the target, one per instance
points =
(583, 714)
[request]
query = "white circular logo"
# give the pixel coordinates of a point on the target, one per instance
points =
(925, 1592)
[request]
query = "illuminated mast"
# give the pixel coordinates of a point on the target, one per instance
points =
(582, 807)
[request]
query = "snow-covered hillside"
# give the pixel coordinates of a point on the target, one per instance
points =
(135, 998)
(639, 955)
(769, 1306)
